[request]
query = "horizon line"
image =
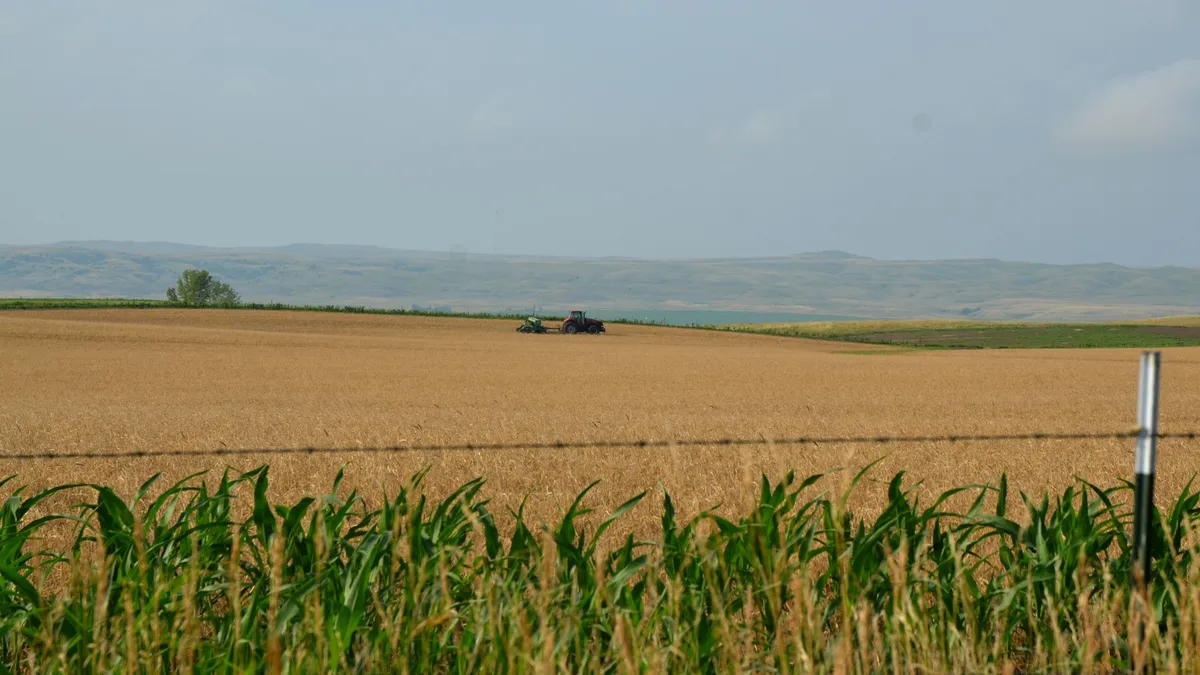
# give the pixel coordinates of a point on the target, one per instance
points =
(835, 253)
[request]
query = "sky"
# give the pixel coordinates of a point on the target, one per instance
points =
(1063, 132)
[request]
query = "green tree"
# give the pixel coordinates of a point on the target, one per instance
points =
(198, 288)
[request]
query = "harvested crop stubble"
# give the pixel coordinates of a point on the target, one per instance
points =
(193, 379)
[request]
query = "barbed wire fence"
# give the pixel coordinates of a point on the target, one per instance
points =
(602, 444)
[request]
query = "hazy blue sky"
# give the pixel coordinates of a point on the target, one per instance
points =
(1061, 130)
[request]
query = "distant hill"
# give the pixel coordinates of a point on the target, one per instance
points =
(826, 283)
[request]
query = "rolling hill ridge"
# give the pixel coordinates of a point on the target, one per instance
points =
(823, 283)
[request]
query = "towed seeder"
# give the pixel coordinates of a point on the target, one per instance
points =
(532, 325)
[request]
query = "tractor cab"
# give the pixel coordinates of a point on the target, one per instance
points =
(577, 322)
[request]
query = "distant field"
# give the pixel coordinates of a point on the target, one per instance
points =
(629, 317)
(1148, 334)
(135, 303)
(78, 303)
(184, 379)
(1157, 333)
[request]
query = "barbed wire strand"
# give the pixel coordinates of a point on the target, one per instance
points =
(601, 444)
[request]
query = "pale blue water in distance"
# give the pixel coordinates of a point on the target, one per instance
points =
(706, 317)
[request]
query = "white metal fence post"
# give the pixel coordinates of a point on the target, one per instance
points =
(1143, 465)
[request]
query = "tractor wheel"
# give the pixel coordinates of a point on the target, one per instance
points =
(571, 328)
(593, 330)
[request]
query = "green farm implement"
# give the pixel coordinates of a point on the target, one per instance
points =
(532, 325)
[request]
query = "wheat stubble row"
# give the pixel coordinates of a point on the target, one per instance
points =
(177, 379)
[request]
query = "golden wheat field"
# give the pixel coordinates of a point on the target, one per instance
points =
(104, 380)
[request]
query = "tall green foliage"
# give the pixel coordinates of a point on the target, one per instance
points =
(198, 288)
(174, 581)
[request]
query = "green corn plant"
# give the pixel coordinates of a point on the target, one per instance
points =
(173, 581)
(21, 602)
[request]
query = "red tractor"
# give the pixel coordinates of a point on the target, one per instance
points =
(577, 322)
